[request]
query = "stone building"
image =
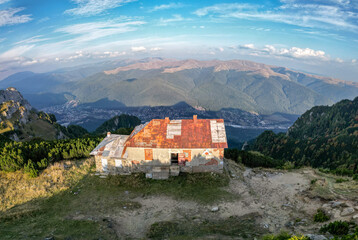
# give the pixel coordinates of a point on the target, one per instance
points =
(164, 147)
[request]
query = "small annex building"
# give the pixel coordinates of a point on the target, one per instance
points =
(164, 147)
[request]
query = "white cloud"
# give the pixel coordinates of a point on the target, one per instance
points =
(4, 1)
(15, 52)
(138, 49)
(14, 58)
(89, 55)
(166, 6)
(175, 18)
(95, 30)
(339, 60)
(113, 54)
(295, 12)
(354, 60)
(94, 7)
(33, 39)
(247, 46)
(223, 8)
(293, 52)
(8, 17)
(155, 49)
(45, 19)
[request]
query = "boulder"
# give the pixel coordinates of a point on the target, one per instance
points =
(355, 216)
(336, 213)
(336, 204)
(215, 209)
(347, 211)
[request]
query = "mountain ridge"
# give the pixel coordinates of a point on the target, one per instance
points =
(210, 85)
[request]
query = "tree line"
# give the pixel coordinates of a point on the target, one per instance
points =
(35, 155)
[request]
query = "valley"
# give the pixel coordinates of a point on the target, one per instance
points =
(241, 126)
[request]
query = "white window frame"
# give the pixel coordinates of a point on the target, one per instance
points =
(118, 163)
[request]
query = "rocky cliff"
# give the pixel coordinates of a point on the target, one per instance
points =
(20, 121)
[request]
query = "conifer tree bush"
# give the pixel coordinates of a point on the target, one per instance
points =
(320, 216)
(336, 228)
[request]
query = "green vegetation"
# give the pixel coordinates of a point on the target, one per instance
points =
(320, 216)
(339, 227)
(72, 131)
(37, 154)
(284, 236)
(341, 180)
(201, 187)
(60, 215)
(313, 181)
(253, 159)
(323, 137)
(336, 228)
(117, 122)
(355, 177)
(51, 118)
(234, 226)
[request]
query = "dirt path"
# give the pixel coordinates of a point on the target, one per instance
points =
(276, 196)
(280, 200)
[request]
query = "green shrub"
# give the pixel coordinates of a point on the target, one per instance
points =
(30, 169)
(355, 177)
(313, 181)
(353, 236)
(341, 180)
(336, 228)
(280, 236)
(320, 216)
(288, 165)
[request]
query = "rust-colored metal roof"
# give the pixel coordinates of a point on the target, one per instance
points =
(185, 133)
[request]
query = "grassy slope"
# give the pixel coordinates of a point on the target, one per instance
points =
(54, 203)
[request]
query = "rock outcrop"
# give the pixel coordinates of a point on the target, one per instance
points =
(14, 109)
(20, 121)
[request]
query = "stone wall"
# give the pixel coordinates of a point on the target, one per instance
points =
(202, 160)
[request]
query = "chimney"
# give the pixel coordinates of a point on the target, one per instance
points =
(166, 120)
(108, 134)
(195, 117)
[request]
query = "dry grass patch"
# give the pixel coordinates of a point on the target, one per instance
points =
(17, 187)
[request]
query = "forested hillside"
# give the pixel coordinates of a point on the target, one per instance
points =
(325, 137)
(117, 122)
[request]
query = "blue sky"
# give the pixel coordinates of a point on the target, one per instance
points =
(317, 36)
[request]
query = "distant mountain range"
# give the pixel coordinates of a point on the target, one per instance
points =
(207, 85)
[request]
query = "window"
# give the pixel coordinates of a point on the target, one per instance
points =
(187, 155)
(118, 163)
(148, 154)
